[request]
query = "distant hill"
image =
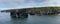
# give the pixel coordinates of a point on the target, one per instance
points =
(36, 8)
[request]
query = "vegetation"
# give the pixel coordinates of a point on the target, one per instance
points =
(37, 10)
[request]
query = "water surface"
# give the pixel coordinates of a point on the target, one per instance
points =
(32, 19)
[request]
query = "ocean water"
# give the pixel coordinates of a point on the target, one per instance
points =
(5, 18)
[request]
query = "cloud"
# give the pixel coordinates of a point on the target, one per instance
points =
(15, 3)
(27, 3)
(54, 3)
(32, 3)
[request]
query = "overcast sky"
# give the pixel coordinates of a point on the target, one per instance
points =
(11, 4)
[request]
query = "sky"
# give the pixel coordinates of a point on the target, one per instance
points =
(15, 4)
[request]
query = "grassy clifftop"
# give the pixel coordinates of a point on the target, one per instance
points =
(37, 9)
